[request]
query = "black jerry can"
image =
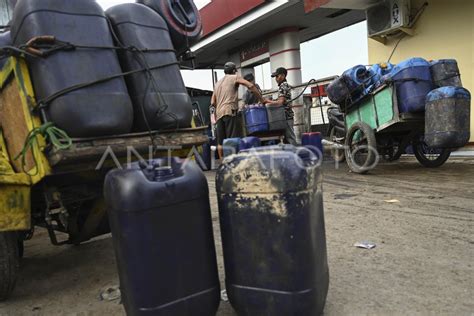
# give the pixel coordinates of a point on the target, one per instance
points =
(162, 233)
(273, 234)
(97, 110)
(159, 97)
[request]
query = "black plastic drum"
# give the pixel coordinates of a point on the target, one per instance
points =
(160, 102)
(161, 225)
(101, 109)
(273, 234)
(447, 117)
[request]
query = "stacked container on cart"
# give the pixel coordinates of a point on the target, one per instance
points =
(448, 110)
(159, 96)
(96, 110)
(412, 79)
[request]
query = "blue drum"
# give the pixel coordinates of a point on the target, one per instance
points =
(413, 82)
(256, 119)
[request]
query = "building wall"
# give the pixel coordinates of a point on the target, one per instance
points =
(445, 30)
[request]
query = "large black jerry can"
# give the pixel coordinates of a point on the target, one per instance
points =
(96, 110)
(273, 234)
(162, 233)
(447, 117)
(159, 96)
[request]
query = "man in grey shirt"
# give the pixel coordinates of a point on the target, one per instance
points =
(249, 97)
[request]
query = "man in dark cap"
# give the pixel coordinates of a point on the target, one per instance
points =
(225, 100)
(249, 97)
(284, 98)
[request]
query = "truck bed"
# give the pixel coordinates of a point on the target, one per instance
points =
(93, 149)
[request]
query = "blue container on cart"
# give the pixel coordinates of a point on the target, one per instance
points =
(231, 146)
(350, 86)
(448, 111)
(249, 142)
(313, 141)
(378, 71)
(359, 77)
(161, 224)
(273, 235)
(413, 82)
(256, 118)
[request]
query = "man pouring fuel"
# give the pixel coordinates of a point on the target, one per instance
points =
(284, 98)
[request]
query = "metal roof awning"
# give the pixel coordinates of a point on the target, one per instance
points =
(265, 19)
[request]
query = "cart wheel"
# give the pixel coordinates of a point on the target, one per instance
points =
(9, 263)
(335, 136)
(393, 154)
(430, 157)
(361, 148)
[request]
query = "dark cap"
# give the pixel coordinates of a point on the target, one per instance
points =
(249, 77)
(230, 68)
(280, 71)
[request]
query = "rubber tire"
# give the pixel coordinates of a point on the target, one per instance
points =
(420, 156)
(396, 156)
(337, 154)
(372, 158)
(9, 263)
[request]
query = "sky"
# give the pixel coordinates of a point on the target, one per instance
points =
(322, 57)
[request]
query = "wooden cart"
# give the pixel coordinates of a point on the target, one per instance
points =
(376, 129)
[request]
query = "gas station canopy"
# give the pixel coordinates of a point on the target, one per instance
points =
(232, 26)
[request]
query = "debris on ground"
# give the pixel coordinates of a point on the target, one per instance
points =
(110, 293)
(224, 297)
(392, 201)
(364, 245)
(343, 196)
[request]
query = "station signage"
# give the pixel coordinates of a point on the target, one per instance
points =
(254, 50)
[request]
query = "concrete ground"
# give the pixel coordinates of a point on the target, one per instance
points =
(422, 264)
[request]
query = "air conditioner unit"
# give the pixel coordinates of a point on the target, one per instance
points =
(387, 17)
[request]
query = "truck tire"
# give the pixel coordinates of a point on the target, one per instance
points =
(9, 263)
